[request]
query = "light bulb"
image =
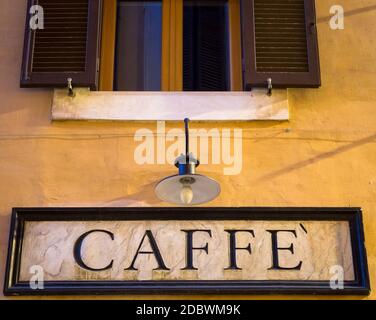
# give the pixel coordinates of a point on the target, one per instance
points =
(186, 194)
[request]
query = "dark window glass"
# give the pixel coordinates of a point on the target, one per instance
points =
(139, 46)
(205, 47)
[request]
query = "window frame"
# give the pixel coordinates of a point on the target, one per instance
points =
(172, 45)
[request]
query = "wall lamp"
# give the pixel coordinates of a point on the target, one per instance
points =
(187, 188)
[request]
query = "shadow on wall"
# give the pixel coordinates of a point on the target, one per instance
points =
(320, 157)
(143, 198)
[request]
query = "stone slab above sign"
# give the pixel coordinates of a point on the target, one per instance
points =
(186, 250)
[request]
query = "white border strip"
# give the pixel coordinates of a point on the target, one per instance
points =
(174, 106)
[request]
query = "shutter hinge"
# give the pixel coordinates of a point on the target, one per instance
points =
(312, 28)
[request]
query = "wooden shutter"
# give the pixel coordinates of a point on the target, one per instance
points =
(280, 42)
(67, 47)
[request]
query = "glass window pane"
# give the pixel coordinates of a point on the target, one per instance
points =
(206, 46)
(139, 46)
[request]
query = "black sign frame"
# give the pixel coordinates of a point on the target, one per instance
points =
(12, 285)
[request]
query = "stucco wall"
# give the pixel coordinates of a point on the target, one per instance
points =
(324, 156)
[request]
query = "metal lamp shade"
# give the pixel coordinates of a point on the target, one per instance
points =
(204, 189)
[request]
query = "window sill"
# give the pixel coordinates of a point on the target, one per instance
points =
(151, 106)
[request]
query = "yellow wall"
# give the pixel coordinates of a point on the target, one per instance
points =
(324, 156)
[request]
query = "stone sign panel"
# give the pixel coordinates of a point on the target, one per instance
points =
(186, 250)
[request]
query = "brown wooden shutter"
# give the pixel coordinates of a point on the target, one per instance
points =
(280, 42)
(67, 47)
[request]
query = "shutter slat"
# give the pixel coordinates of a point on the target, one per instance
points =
(273, 14)
(60, 13)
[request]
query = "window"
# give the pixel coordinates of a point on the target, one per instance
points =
(205, 46)
(173, 45)
(138, 56)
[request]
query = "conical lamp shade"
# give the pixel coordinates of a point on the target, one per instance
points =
(173, 189)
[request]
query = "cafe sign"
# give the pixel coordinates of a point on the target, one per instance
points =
(186, 250)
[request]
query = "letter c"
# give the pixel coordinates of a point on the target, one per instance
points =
(77, 251)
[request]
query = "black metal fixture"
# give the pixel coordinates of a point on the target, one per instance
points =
(187, 188)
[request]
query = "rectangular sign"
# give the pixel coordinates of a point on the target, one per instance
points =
(186, 250)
